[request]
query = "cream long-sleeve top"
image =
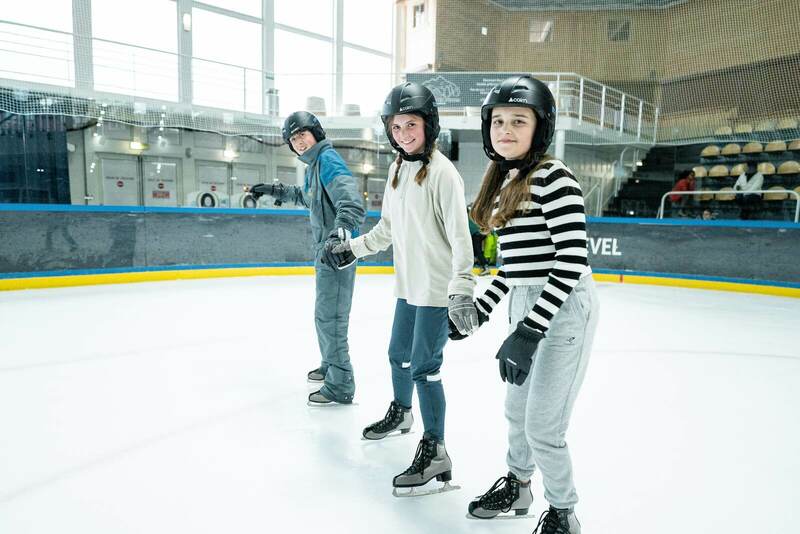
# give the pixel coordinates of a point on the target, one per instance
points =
(427, 227)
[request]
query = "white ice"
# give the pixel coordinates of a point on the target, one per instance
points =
(179, 407)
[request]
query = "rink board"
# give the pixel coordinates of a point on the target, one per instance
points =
(54, 246)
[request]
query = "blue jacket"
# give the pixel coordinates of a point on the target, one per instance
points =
(329, 193)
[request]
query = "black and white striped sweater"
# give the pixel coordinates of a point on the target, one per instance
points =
(544, 243)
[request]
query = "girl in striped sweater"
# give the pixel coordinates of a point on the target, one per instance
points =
(536, 205)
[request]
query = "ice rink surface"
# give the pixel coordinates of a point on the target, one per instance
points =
(180, 407)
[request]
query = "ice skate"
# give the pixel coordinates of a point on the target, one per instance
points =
(316, 376)
(507, 494)
(430, 461)
(396, 419)
(558, 521)
(319, 399)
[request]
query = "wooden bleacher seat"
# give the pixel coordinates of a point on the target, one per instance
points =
(776, 196)
(700, 171)
(775, 146)
(705, 197)
(789, 167)
(717, 171)
(794, 145)
(723, 130)
(731, 149)
(765, 168)
(738, 169)
(787, 123)
(743, 128)
(710, 151)
(724, 196)
(753, 147)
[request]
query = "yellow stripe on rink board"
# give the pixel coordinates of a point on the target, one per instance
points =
(194, 274)
(710, 284)
(42, 282)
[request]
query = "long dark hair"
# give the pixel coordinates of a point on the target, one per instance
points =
(511, 196)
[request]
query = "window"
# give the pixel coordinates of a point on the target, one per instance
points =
(248, 7)
(226, 72)
(129, 64)
(377, 34)
(311, 15)
(418, 15)
(298, 80)
(541, 31)
(37, 55)
(367, 79)
(619, 30)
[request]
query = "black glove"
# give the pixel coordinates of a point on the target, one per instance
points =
(455, 335)
(259, 190)
(337, 253)
(516, 353)
(274, 190)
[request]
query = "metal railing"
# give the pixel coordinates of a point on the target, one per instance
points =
(41, 55)
(731, 192)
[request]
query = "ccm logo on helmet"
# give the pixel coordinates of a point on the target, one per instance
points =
(520, 100)
(405, 109)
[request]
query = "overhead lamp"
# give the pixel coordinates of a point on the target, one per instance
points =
(229, 153)
(138, 145)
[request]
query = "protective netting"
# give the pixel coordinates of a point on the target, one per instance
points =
(711, 67)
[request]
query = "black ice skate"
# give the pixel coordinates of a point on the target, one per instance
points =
(558, 521)
(507, 494)
(396, 419)
(316, 376)
(430, 461)
(319, 399)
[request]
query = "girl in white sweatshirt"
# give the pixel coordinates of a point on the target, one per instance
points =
(424, 218)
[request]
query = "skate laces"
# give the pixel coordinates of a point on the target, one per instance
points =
(425, 452)
(500, 494)
(550, 523)
(390, 420)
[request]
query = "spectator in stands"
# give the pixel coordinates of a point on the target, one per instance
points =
(708, 215)
(686, 182)
(749, 204)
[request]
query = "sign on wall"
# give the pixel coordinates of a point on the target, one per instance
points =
(455, 89)
(160, 183)
(120, 181)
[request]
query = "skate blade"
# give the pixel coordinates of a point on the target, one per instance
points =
(315, 381)
(414, 492)
(500, 517)
(330, 404)
(395, 434)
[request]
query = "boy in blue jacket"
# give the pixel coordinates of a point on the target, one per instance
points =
(336, 212)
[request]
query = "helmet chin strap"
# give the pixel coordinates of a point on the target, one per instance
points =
(414, 157)
(508, 164)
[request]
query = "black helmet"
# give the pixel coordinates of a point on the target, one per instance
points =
(299, 121)
(523, 91)
(414, 98)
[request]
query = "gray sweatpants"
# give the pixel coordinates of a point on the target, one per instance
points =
(332, 318)
(538, 412)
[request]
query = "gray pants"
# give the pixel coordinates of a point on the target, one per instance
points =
(332, 317)
(538, 412)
